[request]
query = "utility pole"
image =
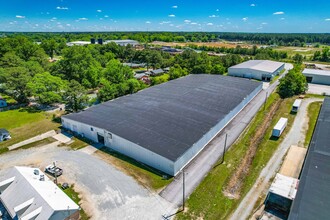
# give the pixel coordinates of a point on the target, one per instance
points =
(265, 101)
(224, 149)
(183, 190)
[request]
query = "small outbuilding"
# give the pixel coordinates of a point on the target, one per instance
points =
(157, 72)
(3, 102)
(279, 127)
(317, 76)
(256, 69)
(296, 105)
(27, 193)
(4, 134)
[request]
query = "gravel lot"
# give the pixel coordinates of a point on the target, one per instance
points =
(106, 192)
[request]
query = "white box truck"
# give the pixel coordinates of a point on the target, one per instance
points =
(296, 105)
(279, 127)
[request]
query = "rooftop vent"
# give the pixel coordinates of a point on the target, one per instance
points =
(36, 172)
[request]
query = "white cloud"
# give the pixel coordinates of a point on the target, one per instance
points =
(187, 21)
(264, 23)
(20, 16)
(278, 13)
(101, 19)
(61, 8)
(106, 16)
(148, 22)
(217, 10)
(99, 10)
(174, 6)
(68, 25)
(37, 25)
(60, 26)
(171, 16)
(165, 22)
(83, 19)
(193, 23)
(171, 25)
(259, 28)
(282, 18)
(327, 19)
(245, 19)
(209, 24)
(213, 16)
(54, 18)
(253, 5)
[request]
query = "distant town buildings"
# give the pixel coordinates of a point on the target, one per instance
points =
(133, 43)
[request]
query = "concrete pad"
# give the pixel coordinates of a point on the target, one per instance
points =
(62, 138)
(34, 139)
(318, 89)
(88, 150)
(293, 161)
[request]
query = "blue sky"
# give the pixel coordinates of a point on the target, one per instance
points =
(168, 15)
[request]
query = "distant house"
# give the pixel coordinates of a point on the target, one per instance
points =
(3, 102)
(27, 193)
(134, 65)
(142, 77)
(156, 72)
(4, 134)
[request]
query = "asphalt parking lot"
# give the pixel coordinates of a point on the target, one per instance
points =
(318, 89)
(106, 192)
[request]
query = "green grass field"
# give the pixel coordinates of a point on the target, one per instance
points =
(313, 113)
(208, 200)
(25, 123)
(304, 51)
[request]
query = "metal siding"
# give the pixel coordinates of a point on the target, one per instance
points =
(319, 79)
(198, 146)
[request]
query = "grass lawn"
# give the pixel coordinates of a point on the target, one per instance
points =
(75, 197)
(313, 113)
(145, 175)
(77, 144)
(208, 200)
(25, 123)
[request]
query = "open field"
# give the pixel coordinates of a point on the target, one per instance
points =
(305, 51)
(313, 113)
(208, 200)
(208, 44)
(25, 123)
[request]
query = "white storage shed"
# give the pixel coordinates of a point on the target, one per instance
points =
(279, 127)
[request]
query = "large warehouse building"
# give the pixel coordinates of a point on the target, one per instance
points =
(313, 197)
(256, 69)
(167, 125)
(317, 76)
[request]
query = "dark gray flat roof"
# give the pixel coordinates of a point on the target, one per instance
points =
(313, 197)
(169, 118)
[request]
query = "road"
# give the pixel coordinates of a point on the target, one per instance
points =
(198, 168)
(295, 136)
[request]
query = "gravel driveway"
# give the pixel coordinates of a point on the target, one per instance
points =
(106, 192)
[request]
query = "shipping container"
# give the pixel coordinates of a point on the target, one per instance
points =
(279, 127)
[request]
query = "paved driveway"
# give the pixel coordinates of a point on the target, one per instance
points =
(318, 89)
(107, 192)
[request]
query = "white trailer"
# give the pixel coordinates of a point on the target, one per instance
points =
(279, 127)
(296, 105)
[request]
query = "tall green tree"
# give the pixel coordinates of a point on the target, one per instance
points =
(48, 89)
(293, 83)
(75, 96)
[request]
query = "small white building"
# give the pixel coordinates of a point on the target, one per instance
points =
(279, 127)
(317, 76)
(281, 194)
(296, 105)
(27, 193)
(256, 69)
(78, 43)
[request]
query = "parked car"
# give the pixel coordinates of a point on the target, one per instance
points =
(4, 135)
(54, 170)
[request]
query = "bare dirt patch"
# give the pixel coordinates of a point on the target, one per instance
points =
(233, 188)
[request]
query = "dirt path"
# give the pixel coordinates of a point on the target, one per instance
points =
(296, 136)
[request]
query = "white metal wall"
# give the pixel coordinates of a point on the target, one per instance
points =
(251, 73)
(121, 145)
(198, 146)
(319, 79)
